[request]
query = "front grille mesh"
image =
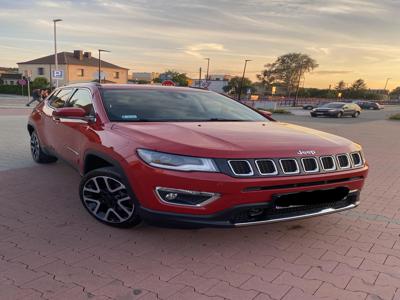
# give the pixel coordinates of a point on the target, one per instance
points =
(289, 166)
(266, 167)
(292, 166)
(328, 163)
(344, 161)
(310, 164)
(241, 167)
(356, 158)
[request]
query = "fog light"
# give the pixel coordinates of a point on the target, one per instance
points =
(185, 197)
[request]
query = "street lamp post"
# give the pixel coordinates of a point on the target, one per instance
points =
(241, 81)
(387, 80)
(101, 50)
(55, 46)
(208, 67)
(200, 77)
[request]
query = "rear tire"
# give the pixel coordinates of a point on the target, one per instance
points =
(37, 152)
(339, 115)
(108, 198)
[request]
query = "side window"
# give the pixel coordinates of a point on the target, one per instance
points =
(82, 98)
(59, 99)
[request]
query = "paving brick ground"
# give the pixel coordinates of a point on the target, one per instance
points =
(51, 249)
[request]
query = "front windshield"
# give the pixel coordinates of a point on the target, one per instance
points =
(333, 105)
(162, 105)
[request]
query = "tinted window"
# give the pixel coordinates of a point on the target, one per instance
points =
(333, 105)
(132, 105)
(59, 99)
(82, 98)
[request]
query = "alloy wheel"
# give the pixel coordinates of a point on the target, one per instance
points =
(35, 146)
(108, 199)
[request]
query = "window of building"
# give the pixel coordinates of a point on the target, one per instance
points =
(80, 73)
(116, 75)
(82, 98)
(11, 82)
(40, 71)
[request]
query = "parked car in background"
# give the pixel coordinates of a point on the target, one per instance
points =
(369, 105)
(309, 106)
(188, 156)
(337, 109)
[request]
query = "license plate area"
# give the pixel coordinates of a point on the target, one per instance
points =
(310, 199)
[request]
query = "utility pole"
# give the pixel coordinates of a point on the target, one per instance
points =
(387, 80)
(55, 46)
(298, 87)
(241, 81)
(101, 50)
(200, 77)
(208, 67)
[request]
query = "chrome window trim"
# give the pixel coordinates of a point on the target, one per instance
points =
(361, 159)
(243, 175)
(316, 162)
(258, 168)
(214, 196)
(348, 159)
(289, 173)
(333, 160)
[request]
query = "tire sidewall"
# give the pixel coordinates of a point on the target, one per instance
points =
(113, 173)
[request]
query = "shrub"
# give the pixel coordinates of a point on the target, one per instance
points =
(279, 111)
(395, 117)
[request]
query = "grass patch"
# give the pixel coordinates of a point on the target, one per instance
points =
(279, 111)
(395, 117)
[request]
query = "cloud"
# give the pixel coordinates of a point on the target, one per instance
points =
(198, 50)
(332, 72)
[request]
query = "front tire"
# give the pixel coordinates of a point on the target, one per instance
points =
(37, 152)
(339, 115)
(108, 198)
(356, 114)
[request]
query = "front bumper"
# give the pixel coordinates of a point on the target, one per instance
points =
(239, 216)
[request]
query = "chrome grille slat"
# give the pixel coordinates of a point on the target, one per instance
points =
(266, 167)
(328, 163)
(310, 164)
(241, 167)
(357, 159)
(289, 166)
(343, 161)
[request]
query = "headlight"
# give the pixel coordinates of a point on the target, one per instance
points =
(177, 162)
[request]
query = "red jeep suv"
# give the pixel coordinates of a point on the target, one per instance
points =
(182, 156)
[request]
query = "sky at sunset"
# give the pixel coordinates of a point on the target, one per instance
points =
(350, 39)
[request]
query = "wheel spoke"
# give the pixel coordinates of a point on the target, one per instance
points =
(110, 189)
(97, 190)
(125, 208)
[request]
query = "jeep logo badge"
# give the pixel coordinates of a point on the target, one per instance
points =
(306, 152)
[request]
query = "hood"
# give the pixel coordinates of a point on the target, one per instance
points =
(232, 139)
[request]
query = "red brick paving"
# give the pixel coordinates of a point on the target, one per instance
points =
(51, 249)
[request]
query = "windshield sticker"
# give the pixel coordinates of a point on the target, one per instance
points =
(129, 117)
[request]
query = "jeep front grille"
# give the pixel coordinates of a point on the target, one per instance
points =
(357, 160)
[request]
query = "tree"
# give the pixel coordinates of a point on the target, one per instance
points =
(395, 92)
(359, 85)
(288, 70)
(340, 86)
(179, 78)
(234, 85)
(40, 83)
(267, 79)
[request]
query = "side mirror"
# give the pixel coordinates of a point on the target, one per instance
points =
(69, 112)
(266, 114)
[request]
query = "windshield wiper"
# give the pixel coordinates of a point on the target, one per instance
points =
(225, 120)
